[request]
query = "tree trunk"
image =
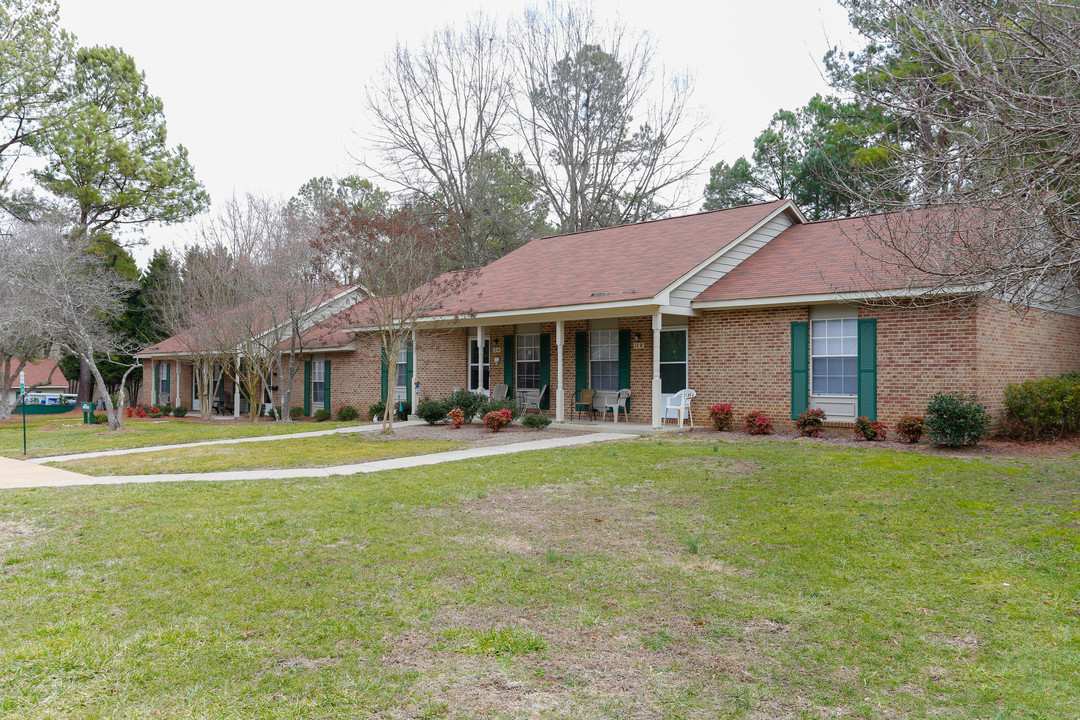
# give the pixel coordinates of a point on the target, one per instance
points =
(86, 381)
(110, 411)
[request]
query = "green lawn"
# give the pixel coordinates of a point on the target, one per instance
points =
(67, 436)
(646, 579)
(301, 452)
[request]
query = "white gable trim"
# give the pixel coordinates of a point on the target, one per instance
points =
(787, 207)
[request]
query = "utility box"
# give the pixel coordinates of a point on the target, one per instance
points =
(87, 413)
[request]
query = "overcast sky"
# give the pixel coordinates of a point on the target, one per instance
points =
(266, 95)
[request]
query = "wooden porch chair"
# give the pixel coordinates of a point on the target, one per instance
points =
(583, 402)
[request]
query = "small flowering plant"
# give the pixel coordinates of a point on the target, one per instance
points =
(758, 423)
(871, 430)
(722, 416)
(496, 420)
(910, 428)
(811, 422)
(457, 418)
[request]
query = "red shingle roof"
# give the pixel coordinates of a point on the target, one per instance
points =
(44, 373)
(812, 259)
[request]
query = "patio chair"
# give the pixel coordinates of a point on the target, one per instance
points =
(500, 391)
(617, 403)
(532, 399)
(583, 402)
(680, 404)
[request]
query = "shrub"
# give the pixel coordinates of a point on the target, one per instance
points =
(101, 418)
(321, 415)
(722, 416)
(871, 430)
(404, 410)
(495, 405)
(811, 422)
(165, 409)
(457, 418)
(758, 423)
(536, 421)
(129, 412)
(1040, 409)
(140, 412)
(296, 412)
(910, 428)
(431, 411)
(151, 412)
(467, 402)
(347, 413)
(179, 411)
(496, 420)
(955, 419)
(376, 411)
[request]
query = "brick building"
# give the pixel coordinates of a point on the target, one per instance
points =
(752, 305)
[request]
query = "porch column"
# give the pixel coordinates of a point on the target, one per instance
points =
(560, 399)
(154, 364)
(657, 421)
(236, 390)
(176, 393)
(415, 372)
(480, 359)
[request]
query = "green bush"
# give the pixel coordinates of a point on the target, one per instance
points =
(101, 418)
(955, 419)
(1041, 409)
(347, 413)
(431, 411)
(467, 402)
(179, 411)
(910, 428)
(536, 421)
(376, 410)
(296, 412)
(496, 405)
(810, 422)
(321, 415)
(871, 430)
(165, 409)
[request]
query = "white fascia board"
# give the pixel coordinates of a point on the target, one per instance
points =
(859, 296)
(787, 205)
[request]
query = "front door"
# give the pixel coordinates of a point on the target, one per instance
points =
(479, 368)
(673, 370)
(194, 389)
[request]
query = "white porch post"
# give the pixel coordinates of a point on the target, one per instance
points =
(153, 381)
(657, 421)
(236, 390)
(415, 373)
(481, 385)
(175, 391)
(560, 399)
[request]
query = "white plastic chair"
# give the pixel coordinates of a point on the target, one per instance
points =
(680, 403)
(500, 391)
(617, 403)
(532, 399)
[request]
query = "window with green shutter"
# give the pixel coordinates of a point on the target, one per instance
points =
(307, 388)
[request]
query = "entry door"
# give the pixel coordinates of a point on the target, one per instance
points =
(478, 366)
(673, 367)
(194, 389)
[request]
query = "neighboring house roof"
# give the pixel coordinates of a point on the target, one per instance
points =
(44, 372)
(816, 258)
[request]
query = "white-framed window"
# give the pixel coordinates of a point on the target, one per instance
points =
(834, 357)
(318, 382)
(164, 374)
(604, 359)
(479, 366)
(402, 373)
(527, 372)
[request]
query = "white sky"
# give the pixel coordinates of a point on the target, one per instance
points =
(266, 95)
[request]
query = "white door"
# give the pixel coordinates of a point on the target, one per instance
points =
(673, 366)
(194, 390)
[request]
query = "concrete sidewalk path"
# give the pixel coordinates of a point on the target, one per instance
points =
(9, 481)
(230, 441)
(20, 473)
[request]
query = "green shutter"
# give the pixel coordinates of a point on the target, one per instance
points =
(168, 381)
(800, 368)
(624, 362)
(384, 376)
(868, 368)
(508, 364)
(326, 386)
(545, 369)
(307, 388)
(157, 382)
(581, 361)
(408, 376)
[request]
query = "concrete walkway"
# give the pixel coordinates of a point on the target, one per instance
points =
(19, 474)
(231, 441)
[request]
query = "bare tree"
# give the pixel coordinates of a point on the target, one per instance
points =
(441, 111)
(610, 141)
(402, 256)
(989, 90)
(21, 338)
(72, 297)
